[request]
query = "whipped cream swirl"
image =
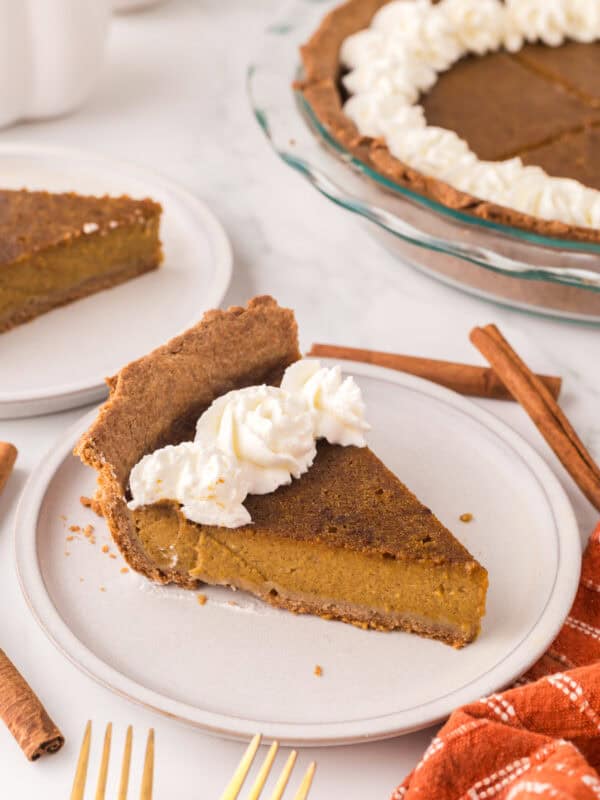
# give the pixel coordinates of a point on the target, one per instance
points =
(335, 403)
(206, 481)
(553, 21)
(399, 57)
(268, 431)
(251, 441)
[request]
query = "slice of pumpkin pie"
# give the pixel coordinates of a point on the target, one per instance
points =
(223, 457)
(56, 248)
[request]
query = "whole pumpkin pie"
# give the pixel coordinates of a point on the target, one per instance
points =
(346, 540)
(57, 248)
(487, 107)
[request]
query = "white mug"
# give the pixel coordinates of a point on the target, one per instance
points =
(51, 54)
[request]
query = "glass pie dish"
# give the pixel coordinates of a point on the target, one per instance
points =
(507, 265)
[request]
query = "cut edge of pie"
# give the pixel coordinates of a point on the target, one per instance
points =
(346, 541)
(320, 88)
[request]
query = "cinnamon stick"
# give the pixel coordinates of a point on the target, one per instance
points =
(8, 456)
(465, 379)
(543, 409)
(24, 714)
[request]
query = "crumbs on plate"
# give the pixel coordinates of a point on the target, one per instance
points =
(91, 503)
(202, 598)
(318, 670)
(466, 517)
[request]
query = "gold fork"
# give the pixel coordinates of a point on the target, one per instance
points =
(235, 784)
(78, 790)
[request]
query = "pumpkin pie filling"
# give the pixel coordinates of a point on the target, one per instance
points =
(507, 122)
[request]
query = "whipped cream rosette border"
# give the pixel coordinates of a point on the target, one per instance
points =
(400, 56)
(251, 441)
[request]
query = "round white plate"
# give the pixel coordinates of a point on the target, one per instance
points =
(60, 359)
(235, 669)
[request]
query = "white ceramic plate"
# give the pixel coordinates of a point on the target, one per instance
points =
(60, 359)
(238, 669)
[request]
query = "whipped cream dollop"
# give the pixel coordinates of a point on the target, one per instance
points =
(400, 56)
(335, 403)
(480, 27)
(267, 430)
(207, 482)
(251, 441)
(553, 21)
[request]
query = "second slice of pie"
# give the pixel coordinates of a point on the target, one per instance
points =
(57, 248)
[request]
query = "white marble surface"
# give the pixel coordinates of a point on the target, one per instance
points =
(173, 97)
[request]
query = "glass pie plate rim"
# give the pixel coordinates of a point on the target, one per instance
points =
(304, 144)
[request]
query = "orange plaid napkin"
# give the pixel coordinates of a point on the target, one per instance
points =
(539, 741)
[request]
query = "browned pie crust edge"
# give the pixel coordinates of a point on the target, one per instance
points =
(157, 399)
(320, 56)
(373, 620)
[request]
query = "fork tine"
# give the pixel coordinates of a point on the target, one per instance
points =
(263, 774)
(148, 774)
(78, 789)
(283, 779)
(124, 781)
(232, 789)
(103, 773)
(307, 780)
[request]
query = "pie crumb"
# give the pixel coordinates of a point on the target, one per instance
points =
(74, 528)
(67, 553)
(88, 530)
(103, 588)
(105, 549)
(124, 570)
(91, 503)
(70, 538)
(112, 555)
(318, 670)
(202, 598)
(466, 517)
